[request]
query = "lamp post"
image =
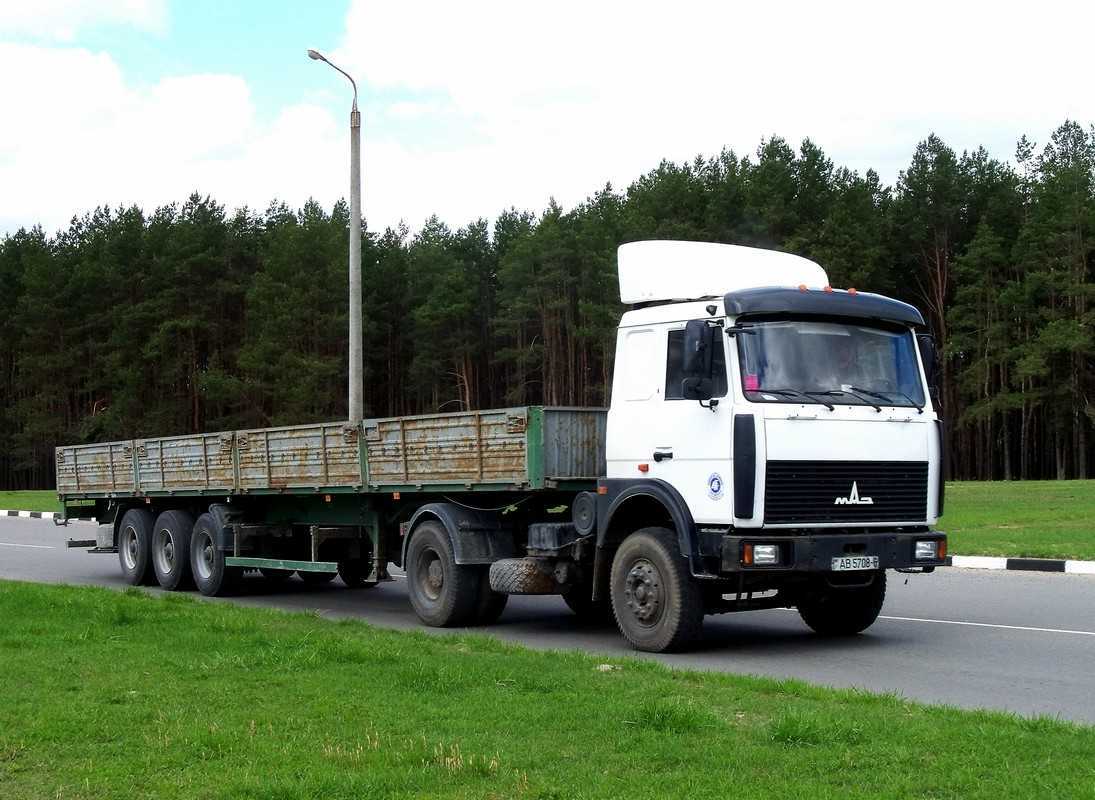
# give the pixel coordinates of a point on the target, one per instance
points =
(356, 403)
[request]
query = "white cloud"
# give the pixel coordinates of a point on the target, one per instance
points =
(472, 107)
(84, 137)
(61, 19)
(564, 96)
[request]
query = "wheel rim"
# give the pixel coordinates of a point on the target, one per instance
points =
(129, 548)
(203, 564)
(430, 574)
(644, 592)
(164, 552)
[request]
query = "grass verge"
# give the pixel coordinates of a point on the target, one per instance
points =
(1031, 519)
(30, 501)
(119, 695)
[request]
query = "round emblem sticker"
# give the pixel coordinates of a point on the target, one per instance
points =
(714, 486)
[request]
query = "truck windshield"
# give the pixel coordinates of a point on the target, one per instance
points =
(799, 361)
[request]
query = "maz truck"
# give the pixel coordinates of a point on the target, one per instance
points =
(771, 442)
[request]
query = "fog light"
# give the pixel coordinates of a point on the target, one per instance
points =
(926, 550)
(766, 554)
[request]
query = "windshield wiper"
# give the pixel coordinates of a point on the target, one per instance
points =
(913, 403)
(856, 395)
(810, 396)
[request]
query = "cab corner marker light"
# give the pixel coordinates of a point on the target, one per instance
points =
(644, 468)
(851, 290)
(747, 554)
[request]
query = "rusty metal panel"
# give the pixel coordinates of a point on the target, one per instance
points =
(175, 463)
(465, 447)
(306, 456)
(574, 442)
(106, 467)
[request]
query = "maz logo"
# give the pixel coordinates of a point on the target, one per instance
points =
(853, 498)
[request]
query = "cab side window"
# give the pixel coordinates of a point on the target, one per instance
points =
(675, 360)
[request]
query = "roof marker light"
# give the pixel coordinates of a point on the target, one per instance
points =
(828, 290)
(802, 287)
(851, 290)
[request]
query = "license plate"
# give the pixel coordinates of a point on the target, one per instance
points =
(849, 563)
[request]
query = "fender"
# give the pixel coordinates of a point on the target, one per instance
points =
(476, 537)
(225, 515)
(620, 490)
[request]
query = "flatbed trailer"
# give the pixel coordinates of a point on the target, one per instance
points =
(329, 497)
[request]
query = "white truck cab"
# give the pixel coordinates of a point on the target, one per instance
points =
(791, 424)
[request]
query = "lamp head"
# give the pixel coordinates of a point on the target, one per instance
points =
(316, 55)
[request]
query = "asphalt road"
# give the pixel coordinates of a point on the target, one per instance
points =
(1023, 642)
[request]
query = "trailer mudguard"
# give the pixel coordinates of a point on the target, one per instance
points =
(477, 537)
(613, 494)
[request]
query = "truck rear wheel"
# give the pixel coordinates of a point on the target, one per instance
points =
(171, 549)
(839, 611)
(657, 604)
(354, 572)
(443, 593)
(212, 576)
(135, 547)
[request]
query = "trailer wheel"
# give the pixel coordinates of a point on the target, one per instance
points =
(135, 547)
(316, 578)
(212, 576)
(171, 549)
(491, 603)
(443, 593)
(657, 604)
(838, 611)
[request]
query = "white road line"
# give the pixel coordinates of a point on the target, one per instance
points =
(988, 625)
(35, 546)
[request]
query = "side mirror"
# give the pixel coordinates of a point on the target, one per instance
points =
(925, 342)
(697, 364)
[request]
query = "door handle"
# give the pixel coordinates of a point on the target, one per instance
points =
(663, 455)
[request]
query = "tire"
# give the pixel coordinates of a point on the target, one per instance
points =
(354, 573)
(275, 575)
(579, 598)
(491, 604)
(316, 578)
(844, 612)
(135, 547)
(211, 575)
(443, 593)
(657, 605)
(171, 549)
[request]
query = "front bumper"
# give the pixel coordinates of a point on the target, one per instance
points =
(815, 553)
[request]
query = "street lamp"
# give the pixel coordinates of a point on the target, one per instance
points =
(356, 403)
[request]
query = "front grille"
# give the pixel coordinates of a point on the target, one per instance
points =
(807, 491)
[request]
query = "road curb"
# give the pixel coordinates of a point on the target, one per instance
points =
(42, 515)
(1023, 564)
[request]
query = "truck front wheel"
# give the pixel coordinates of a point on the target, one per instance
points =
(442, 592)
(843, 611)
(657, 604)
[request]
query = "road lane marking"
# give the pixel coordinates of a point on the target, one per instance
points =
(35, 546)
(988, 625)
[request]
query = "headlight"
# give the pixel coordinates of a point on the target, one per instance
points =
(926, 550)
(765, 554)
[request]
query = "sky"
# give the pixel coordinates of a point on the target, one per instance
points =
(476, 106)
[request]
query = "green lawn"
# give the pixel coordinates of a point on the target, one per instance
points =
(29, 501)
(1038, 519)
(117, 695)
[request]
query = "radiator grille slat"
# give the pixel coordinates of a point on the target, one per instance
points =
(806, 491)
